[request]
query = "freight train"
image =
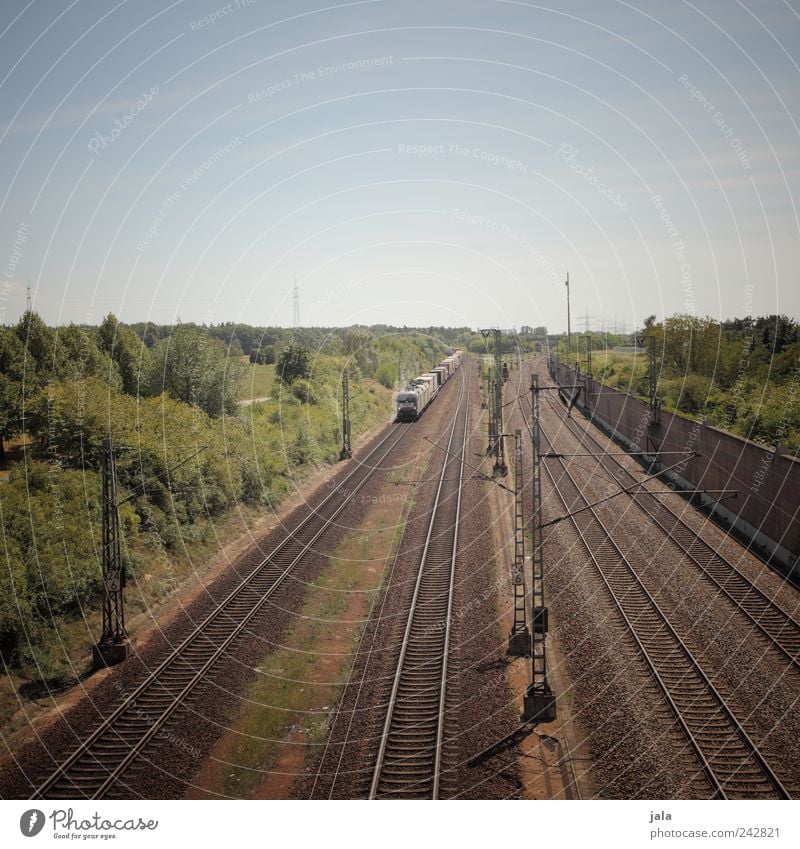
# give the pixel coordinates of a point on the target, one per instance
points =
(412, 400)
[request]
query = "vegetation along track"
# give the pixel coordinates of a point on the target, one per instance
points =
(96, 767)
(777, 626)
(730, 760)
(409, 760)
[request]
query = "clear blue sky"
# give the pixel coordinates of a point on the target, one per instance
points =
(438, 162)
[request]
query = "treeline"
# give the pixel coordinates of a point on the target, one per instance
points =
(245, 339)
(190, 365)
(64, 390)
(742, 374)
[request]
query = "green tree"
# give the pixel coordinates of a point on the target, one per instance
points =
(193, 367)
(126, 350)
(12, 355)
(294, 362)
(264, 356)
(358, 347)
(39, 347)
(76, 355)
(386, 375)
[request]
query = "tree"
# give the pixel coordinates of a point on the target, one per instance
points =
(294, 362)
(776, 332)
(76, 355)
(125, 349)
(38, 342)
(358, 347)
(263, 356)
(12, 356)
(386, 375)
(193, 368)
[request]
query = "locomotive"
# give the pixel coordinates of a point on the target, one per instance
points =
(412, 400)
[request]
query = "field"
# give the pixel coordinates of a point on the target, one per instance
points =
(259, 381)
(754, 403)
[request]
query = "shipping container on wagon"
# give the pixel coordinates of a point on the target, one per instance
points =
(433, 381)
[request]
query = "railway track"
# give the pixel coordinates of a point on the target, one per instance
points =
(409, 762)
(732, 763)
(96, 768)
(776, 625)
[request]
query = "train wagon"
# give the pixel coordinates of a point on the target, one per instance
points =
(432, 380)
(411, 401)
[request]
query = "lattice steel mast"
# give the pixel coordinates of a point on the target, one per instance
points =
(539, 703)
(346, 453)
(519, 640)
(115, 645)
(496, 446)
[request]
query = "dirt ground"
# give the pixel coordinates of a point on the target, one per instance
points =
(358, 564)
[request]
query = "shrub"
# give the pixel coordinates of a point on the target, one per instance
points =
(304, 391)
(386, 375)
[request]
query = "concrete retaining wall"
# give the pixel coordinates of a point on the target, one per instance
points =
(767, 508)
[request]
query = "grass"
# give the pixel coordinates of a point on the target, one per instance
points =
(617, 369)
(284, 697)
(299, 683)
(259, 382)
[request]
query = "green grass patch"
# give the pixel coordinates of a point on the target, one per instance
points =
(282, 697)
(259, 382)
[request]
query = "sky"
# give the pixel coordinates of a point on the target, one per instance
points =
(444, 162)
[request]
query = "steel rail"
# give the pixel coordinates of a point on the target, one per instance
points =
(714, 747)
(774, 623)
(406, 740)
(230, 616)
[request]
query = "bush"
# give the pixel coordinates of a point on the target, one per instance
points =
(293, 363)
(304, 391)
(386, 375)
(689, 394)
